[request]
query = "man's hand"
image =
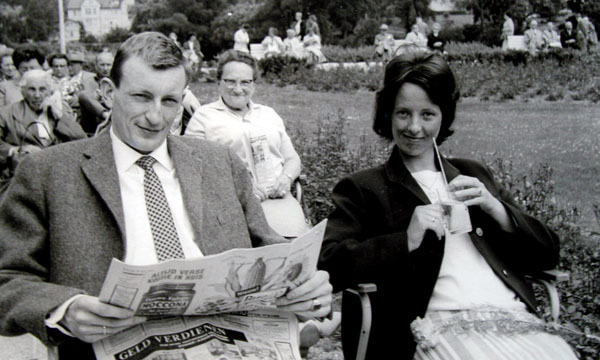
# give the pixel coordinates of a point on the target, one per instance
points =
(311, 299)
(90, 320)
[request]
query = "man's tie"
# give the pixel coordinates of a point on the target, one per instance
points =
(166, 241)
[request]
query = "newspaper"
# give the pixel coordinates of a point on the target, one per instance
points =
(235, 281)
(255, 335)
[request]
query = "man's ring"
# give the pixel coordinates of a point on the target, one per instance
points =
(316, 305)
(103, 330)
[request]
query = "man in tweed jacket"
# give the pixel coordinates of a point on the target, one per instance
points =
(70, 209)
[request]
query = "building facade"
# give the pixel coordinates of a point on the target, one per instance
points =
(98, 17)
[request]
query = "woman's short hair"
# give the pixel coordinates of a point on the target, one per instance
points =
(239, 56)
(426, 70)
(156, 49)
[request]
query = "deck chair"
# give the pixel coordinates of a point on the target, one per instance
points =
(547, 278)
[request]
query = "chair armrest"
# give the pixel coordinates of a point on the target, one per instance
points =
(363, 290)
(300, 180)
(549, 278)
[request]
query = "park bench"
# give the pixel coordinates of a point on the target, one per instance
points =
(517, 42)
(257, 51)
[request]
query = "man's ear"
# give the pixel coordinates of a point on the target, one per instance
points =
(107, 90)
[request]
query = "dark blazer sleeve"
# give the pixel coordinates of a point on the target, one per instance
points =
(26, 296)
(365, 239)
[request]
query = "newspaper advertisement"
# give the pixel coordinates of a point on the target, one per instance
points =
(234, 280)
(237, 287)
(266, 334)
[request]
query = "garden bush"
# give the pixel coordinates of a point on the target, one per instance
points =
(484, 72)
(326, 159)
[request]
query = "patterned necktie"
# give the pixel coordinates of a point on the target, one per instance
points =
(166, 241)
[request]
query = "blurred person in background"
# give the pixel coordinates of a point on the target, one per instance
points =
(292, 45)
(508, 29)
(534, 40)
(241, 39)
(93, 106)
(568, 36)
(25, 57)
(312, 46)
(8, 70)
(434, 41)
(81, 79)
(298, 25)
(416, 38)
(40, 120)
(384, 43)
(272, 43)
(551, 37)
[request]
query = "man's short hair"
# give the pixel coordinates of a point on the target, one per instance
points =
(27, 52)
(57, 56)
(154, 48)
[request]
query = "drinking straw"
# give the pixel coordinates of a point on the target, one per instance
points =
(437, 152)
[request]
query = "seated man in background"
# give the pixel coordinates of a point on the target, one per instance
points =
(25, 57)
(551, 37)
(82, 80)
(62, 79)
(534, 40)
(384, 43)
(94, 109)
(37, 121)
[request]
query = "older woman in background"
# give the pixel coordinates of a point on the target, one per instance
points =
(443, 291)
(257, 134)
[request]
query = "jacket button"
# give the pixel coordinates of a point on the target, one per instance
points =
(479, 232)
(505, 273)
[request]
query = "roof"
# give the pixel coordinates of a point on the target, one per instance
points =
(104, 4)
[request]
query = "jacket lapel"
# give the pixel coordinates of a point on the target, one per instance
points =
(101, 171)
(398, 173)
(190, 177)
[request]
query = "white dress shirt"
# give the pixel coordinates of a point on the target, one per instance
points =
(139, 245)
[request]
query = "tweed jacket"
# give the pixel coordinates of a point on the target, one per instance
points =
(366, 241)
(62, 221)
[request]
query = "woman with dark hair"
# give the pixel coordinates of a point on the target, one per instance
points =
(445, 244)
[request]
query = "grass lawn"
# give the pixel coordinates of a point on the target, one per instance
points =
(563, 134)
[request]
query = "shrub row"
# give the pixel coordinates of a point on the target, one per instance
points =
(326, 159)
(487, 73)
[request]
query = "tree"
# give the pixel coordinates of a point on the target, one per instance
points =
(28, 19)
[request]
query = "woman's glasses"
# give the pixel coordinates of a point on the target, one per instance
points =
(244, 84)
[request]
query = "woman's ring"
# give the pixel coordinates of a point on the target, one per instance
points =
(316, 305)
(103, 330)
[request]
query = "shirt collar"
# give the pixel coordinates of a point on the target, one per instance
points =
(125, 156)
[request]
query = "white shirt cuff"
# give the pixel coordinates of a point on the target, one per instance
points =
(57, 315)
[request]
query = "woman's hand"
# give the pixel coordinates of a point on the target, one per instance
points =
(282, 186)
(471, 191)
(425, 217)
